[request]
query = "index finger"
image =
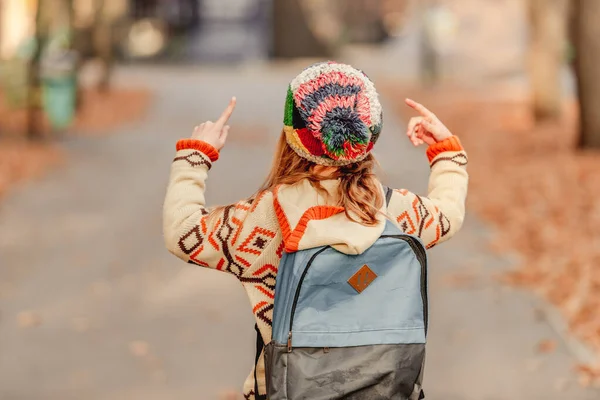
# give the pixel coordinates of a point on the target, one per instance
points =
(420, 108)
(226, 114)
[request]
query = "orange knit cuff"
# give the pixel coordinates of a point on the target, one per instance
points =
(203, 147)
(450, 144)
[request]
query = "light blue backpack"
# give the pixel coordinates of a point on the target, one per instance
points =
(350, 326)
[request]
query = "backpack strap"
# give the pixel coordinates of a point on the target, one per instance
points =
(260, 345)
(388, 195)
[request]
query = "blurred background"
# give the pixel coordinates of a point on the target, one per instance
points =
(94, 95)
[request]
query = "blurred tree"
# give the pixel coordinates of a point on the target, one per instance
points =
(548, 24)
(94, 38)
(292, 36)
(103, 43)
(34, 131)
(585, 31)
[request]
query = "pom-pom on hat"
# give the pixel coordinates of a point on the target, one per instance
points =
(332, 114)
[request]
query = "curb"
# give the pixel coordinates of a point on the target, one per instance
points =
(582, 352)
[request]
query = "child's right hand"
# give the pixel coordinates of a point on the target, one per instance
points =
(215, 133)
(426, 128)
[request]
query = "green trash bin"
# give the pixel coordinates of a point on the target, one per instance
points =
(59, 86)
(58, 99)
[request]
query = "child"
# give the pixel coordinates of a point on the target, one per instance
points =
(321, 189)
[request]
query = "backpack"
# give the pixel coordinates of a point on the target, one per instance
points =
(350, 326)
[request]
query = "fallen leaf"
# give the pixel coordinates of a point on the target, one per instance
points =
(139, 348)
(29, 319)
(585, 380)
(588, 375)
(460, 280)
(546, 346)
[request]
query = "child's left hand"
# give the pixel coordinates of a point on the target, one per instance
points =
(215, 133)
(426, 128)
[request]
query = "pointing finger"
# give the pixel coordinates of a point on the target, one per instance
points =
(420, 108)
(226, 114)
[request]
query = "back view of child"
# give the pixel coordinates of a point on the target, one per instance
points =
(321, 190)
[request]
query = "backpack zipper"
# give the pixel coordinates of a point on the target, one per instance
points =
(421, 257)
(297, 295)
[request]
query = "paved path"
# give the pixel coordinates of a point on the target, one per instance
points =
(122, 319)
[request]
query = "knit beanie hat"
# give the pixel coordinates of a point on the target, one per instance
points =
(332, 114)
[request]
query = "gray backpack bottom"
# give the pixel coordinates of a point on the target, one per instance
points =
(378, 372)
(350, 327)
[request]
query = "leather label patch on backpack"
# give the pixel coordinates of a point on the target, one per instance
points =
(362, 278)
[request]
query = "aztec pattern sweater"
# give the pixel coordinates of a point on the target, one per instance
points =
(247, 239)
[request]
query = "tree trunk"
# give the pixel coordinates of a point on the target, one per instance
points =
(103, 43)
(547, 52)
(586, 34)
(79, 63)
(292, 36)
(34, 131)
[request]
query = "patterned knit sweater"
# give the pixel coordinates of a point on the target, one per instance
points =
(247, 239)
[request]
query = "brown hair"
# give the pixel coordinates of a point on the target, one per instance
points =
(359, 191)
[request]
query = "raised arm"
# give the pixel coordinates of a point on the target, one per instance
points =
(438, 216)
(191, 231)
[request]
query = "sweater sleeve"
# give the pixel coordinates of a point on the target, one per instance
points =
(195, 233)
(437, 217)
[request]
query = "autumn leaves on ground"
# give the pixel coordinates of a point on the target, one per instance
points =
(99, 113)
(540, 193)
